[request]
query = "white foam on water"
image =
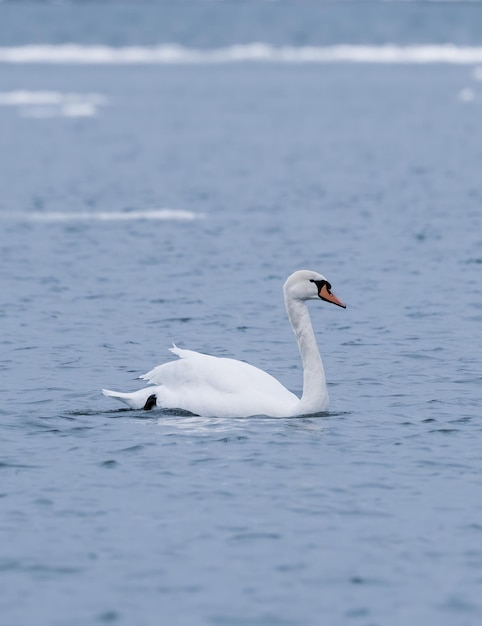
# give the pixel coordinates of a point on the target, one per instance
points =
(45, 104)
(173, 54)
(104, 216)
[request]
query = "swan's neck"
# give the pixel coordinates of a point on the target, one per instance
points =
(315, 394)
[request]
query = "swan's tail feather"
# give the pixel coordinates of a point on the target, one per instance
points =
(142, 399)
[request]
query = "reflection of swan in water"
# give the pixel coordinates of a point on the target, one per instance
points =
(219, 387)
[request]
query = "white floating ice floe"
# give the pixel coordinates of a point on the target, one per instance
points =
(104, 216)
(172, 54)
(43, 104)
(467, 95)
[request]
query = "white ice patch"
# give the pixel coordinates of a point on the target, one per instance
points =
(467, 95)
(45, 104)
(173, 54)
(104, 216)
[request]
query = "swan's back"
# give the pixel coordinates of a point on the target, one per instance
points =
(218, 386)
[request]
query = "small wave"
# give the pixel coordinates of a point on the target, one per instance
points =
(104, 216)
(173, 54)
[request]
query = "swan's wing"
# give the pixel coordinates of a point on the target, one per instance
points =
(202, 383)
(223, 374)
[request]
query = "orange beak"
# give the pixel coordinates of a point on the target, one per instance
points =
(325, 294)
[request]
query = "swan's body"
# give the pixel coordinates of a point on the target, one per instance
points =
(221, 387)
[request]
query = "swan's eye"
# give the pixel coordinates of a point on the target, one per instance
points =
(319, 284)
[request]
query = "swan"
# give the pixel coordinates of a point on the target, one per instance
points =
(221, 387)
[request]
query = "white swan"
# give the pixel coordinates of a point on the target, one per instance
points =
(220, 387)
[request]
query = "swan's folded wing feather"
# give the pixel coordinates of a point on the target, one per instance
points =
(217, 374)
(190, 362)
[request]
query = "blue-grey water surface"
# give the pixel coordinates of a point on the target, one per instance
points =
(370, 174)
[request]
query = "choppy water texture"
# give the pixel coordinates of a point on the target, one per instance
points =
(169, 204)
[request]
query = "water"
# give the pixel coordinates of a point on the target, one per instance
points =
(232, 176)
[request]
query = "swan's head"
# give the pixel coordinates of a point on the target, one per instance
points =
(308, 285)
